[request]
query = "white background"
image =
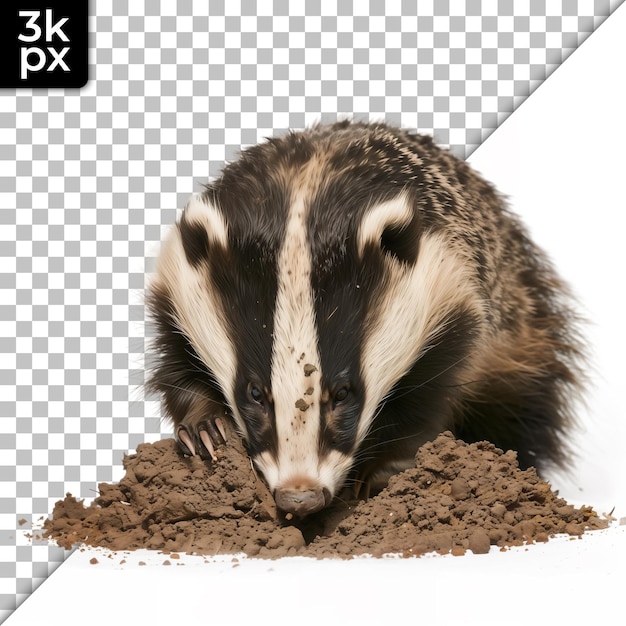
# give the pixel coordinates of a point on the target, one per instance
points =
(561, 159)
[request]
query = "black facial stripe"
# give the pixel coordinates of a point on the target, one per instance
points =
(343, 284)
(247, 286)
(245, 277)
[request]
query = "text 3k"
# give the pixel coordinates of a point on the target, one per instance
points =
(38, 58)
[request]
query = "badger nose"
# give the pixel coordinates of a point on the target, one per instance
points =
(301, 502)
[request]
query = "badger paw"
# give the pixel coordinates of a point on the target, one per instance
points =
(201, 438)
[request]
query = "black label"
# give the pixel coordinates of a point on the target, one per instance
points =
(43, 44)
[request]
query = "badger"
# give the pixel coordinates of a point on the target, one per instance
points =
(345, 293)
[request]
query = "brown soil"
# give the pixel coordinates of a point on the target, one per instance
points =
(458, 497)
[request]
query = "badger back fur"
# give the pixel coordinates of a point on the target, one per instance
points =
(346, 293)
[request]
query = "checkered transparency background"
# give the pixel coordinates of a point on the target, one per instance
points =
(90, 178)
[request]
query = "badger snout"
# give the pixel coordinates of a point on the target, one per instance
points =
(302, 500)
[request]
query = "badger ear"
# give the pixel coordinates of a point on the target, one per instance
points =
(393, 227)
(201, 226)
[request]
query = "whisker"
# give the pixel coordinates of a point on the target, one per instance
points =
(376, 444)
(410, 389)
(186, 389)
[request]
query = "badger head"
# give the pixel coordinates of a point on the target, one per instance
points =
(313, 295)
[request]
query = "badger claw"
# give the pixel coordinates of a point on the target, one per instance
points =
(206, 440)
(220, 426)
(202, 438)
(185, 442)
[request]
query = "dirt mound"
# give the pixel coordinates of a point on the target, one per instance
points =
(458, 497)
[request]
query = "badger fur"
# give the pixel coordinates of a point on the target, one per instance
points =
(346, 293)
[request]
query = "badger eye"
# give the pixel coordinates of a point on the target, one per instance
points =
(256, 394)
(341, 394)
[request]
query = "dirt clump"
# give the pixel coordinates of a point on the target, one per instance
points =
(173, 503)
(458, 497)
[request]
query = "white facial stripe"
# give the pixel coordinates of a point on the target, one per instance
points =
(296, 366)
(199, 316)
(415, 305)
(394, 212)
